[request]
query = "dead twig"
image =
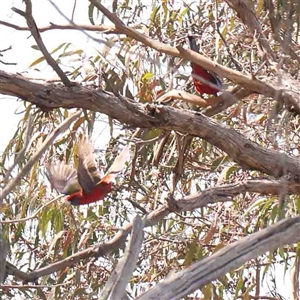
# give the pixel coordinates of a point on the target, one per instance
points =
(36, 34)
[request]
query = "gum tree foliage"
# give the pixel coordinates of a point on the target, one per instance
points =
(240, 159)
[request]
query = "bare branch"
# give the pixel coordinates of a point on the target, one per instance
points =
(184, 96)
(115, 287)
(14, 271)
(7, 63)
(182, 283)
(246, 153)
(291, 99)
(209, 196)
(35, 33)
(228, 191)
(6, 49)
(97, 28)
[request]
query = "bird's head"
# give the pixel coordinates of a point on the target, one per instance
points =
(75, 198)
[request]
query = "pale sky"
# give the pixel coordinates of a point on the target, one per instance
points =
(23, 55)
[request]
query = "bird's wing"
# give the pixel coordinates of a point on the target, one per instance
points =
(63, 178)
(88, 173)
(117, 166)
(202, 75)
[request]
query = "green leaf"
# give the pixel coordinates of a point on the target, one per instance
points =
(70, 53)
(90, 13)
(154, 13)
(191, 254)
(147, 76)
(239, 286)
(37, 61)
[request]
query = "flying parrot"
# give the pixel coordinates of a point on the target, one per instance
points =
(85, 185)
(204, 81)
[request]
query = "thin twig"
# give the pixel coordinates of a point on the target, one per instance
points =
(36, 34)
(138, 206)
(189, 203)
(98, 28)
(234, 61)
(7, 63)
(32, 286)
(33, 215)
(6, 49)
(73, 10)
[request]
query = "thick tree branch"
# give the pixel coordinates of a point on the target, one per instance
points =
(247, 154)
(228, 191)
(189, 203)
(277, 92)
(115, 287)
(184, 282)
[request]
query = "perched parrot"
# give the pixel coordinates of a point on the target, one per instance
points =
(85, 185)
(204, 81)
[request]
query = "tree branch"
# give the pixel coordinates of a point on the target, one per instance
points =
(247, 154)
(249, 18)
(35, 33)
(97, 28)
(182, 283)
(189, 203)
(291, 99)
(228, 191)
(33, 215)
(275, 91)
(115, 287)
